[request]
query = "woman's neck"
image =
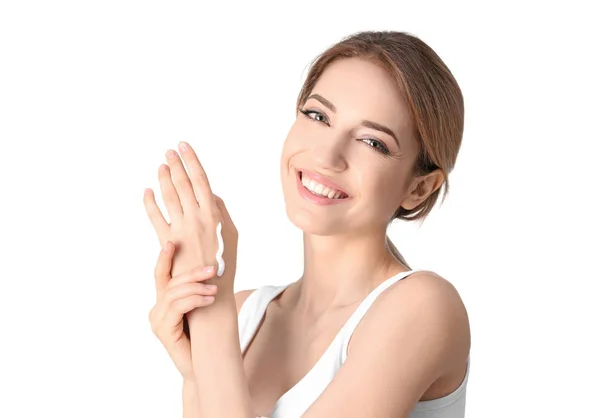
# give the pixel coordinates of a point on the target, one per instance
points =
(339, 271)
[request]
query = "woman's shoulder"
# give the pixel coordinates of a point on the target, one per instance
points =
(424, 298)
(421, 293)
(421, 286)
(426, 283)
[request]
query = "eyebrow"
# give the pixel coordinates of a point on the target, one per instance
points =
(366, 123)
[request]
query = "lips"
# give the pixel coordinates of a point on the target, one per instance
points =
(325, 181)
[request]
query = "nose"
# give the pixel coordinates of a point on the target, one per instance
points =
(331, 154)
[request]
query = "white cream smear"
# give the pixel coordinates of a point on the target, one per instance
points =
(219, 255)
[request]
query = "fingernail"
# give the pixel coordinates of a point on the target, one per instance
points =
(166, 247)
(209, 299)
(207, 269)
(211, 287)
(183, 146)
(170, 153)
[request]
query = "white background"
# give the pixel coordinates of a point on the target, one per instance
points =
(92, 94)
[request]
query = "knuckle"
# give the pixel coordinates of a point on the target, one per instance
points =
(216, 214)
(168, 297)
(154, 326)
(199, 288)
(179, 305)
(158, 274)
(172, 283)
(164, 173)
(204, 275)
(151, 316)
(201, 176)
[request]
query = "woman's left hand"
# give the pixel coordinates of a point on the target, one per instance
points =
(194, 212)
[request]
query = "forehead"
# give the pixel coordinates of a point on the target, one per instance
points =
(365, 90)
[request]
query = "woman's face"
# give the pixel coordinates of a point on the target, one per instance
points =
(353, 133)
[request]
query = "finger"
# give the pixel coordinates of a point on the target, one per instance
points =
(159, 223)
(185, 305)
(172, 295)
(169, 193)
(182, 182)
(198, 178)
(162, 270)
(184, 290)
(161, 318)
(195, 275)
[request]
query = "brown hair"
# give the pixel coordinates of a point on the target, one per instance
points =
(431, 92)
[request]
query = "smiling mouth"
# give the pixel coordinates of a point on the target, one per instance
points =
(321, 190)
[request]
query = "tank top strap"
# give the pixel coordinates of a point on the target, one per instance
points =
(253, 310)
(359, 313)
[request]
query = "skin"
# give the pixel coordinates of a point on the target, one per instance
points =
(194, 213)
(421, 316)
(344, 249)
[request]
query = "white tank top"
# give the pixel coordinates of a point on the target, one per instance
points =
(297, 400)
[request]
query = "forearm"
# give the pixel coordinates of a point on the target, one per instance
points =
(216, 357)
(191, 406)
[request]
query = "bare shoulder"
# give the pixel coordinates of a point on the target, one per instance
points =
(423, 307)
(240, 298)
(411, 345)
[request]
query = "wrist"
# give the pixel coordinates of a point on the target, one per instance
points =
(222, 309)
(188, 384)
(224, 282)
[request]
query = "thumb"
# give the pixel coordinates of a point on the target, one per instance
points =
(228, 222)
(162, 270)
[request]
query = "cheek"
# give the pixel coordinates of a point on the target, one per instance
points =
(374, 185)
(294, 141)
(291, 146)
(380, 187)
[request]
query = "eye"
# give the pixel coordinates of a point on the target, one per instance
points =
(314, 115)
(379, 146)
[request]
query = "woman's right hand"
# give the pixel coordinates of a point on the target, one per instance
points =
(176, 296)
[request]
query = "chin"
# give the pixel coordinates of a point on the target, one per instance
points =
(312, 224)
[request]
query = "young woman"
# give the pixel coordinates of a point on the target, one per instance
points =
(378, 129)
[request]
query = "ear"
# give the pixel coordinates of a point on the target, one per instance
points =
(421, 188)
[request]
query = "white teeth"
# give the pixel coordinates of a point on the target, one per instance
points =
(319, 189)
